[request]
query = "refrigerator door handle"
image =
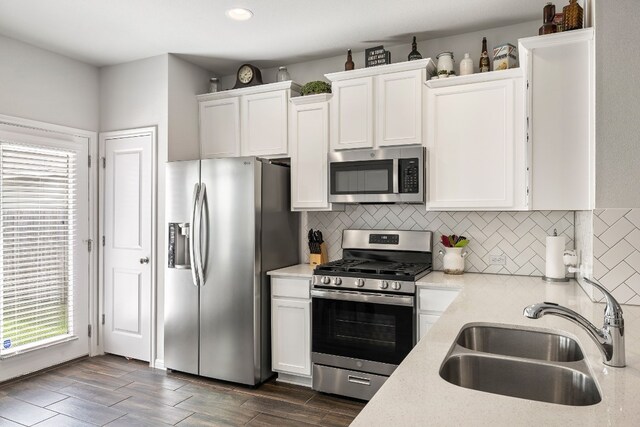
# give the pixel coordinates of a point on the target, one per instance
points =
(192, 234)
(202, 199)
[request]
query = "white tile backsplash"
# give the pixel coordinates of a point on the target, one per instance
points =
(609, 241)
(520, 236)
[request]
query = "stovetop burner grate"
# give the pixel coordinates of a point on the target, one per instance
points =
(369, 267)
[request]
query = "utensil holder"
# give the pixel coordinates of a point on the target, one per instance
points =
(321, 258)
(453, 260)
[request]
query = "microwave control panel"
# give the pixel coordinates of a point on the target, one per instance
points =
(409, 175)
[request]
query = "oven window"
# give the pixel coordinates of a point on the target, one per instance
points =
(370, 177)
(377, 332)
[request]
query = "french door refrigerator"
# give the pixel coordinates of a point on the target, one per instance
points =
(228, 223)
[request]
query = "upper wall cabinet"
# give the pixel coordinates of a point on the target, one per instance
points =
(561, 115)
(378, 106)
(309, 139)
(475, 142)
(250, 121)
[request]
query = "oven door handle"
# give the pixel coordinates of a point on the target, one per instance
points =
(403, 300)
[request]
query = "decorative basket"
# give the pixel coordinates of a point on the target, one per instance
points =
(572, 16)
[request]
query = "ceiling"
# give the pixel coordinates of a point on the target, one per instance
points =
(107, 32)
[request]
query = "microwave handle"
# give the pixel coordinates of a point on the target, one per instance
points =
(396, 177)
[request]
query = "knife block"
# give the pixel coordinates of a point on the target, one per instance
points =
(321, 258)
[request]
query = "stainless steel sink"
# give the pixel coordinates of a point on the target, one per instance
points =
(520, 343)
(527, 364)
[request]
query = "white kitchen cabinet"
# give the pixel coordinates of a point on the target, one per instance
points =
(309, 139)
(249, 121)
(264, 124)
(432, 302)
(399, 102)
(352, 114)
(379, 106)
(476, 146)
(291, 329)
(561, 109)
(220, 128)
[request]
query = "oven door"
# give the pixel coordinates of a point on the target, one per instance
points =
(365, 332)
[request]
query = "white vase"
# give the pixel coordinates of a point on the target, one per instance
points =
(466, 65)
(453, 260)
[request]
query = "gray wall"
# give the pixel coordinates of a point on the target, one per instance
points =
(40, 85)
(617, 104)
(460, 44)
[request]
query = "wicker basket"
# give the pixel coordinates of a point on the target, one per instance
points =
(572, 16)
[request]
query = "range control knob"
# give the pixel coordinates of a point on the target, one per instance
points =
(396, 286)
(326, 280)
(384, 285)
(337, 281)
(359, 283)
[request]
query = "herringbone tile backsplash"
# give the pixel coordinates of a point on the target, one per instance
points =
(520, 236)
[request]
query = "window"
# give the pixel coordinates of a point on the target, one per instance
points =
(37, 235)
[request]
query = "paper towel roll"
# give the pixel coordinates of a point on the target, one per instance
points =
(554, 267)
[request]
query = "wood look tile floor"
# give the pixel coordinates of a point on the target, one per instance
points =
(113, 391)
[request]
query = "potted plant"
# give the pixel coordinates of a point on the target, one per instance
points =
(453, 259)
(315, 87)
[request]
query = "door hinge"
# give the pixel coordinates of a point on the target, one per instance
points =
(104, 162)
(527, 191)
(89, 331)
(103, 319)
(102, 240)
(89, 245)
(89, 164)
(527, 84)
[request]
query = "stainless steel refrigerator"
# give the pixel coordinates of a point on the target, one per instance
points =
(228, 223)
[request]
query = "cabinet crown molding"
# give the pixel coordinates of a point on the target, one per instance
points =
(476, 78)
(310, 99)
(564, 37)
(426, 63)
(269, 87)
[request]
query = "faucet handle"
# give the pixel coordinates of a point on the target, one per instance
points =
(613, 310)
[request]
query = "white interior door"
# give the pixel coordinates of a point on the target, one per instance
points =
(127, 227)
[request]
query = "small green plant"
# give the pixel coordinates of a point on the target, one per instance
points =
(315, 87)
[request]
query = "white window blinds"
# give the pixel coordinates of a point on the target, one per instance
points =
(37, 232)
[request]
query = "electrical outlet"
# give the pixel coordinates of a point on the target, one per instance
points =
(497, 259)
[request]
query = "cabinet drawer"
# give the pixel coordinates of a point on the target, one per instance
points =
(435, 299)
(295, 287)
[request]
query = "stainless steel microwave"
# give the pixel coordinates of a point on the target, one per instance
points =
(386, 175)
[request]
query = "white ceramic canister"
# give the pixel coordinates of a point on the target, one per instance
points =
(453, 260)
(466, 65)
(445, 64)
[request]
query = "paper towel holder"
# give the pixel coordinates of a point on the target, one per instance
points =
(553, 279)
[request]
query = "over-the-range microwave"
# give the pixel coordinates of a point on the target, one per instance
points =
(386, 175)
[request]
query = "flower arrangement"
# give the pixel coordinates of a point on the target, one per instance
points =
(453, 241)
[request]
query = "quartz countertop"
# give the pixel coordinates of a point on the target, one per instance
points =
(298, 270)
(415, 395)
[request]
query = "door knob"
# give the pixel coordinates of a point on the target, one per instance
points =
(144, 260)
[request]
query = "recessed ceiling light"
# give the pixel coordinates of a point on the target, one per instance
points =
(239, 14)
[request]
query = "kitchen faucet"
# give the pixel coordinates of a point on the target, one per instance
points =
(610, 339)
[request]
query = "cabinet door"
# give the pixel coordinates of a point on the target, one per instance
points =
(291, 336)
(264, 124)
(220, 128)
(309, 149)
(475, 146)
(399, 100)
(425, 322)
(352, 114)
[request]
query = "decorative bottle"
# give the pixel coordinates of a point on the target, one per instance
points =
(349, 65)
(466, 65)
(572, 15)
(484, 64)
(414, 55)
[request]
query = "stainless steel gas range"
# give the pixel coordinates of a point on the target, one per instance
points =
(364, 309)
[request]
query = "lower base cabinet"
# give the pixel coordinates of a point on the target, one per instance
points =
(432, 302)
(291, 329)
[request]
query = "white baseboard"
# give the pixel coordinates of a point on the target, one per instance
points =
(159, 364)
